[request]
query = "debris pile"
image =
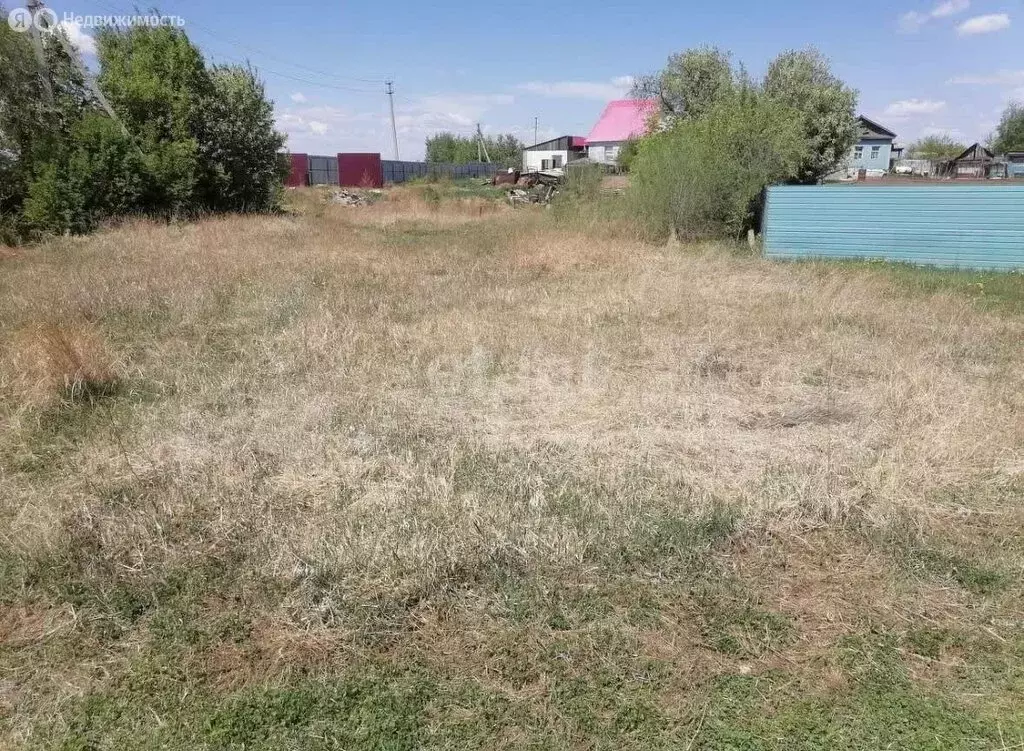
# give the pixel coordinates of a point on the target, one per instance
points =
(347, 197)
(541, 194)
(536, 187)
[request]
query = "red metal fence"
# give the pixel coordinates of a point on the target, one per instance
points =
(360, 171)
(299, 174)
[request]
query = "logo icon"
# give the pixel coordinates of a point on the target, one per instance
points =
(45, 19)
(19, 19)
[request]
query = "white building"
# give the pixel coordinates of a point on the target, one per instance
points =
(553, 154)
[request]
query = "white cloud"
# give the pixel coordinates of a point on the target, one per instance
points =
(85, 43)
(323, 129)
(459, 110)
(999, 78)
(615, 88)
(984, 24)
(299, 97)
(914, 20)
(950, 8)
(933, 130)
(910, 107)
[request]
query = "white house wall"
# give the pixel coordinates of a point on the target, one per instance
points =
(532, 159)
(606, 153)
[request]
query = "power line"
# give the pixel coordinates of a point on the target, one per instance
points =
(268, 71)
(217, 35)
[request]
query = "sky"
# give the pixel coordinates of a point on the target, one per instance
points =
(921, 66)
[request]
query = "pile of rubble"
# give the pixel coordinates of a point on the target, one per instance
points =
(531, 187)
(347, 197)
(541, 194)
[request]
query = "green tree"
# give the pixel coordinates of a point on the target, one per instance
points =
(703, 177)
(803, 81)
(1009, 135)
(240, 145)
(691, 83)
(936, 147)
(628, 152)
(158, 84)
(505, 150)
(32, 125)
(97, 174)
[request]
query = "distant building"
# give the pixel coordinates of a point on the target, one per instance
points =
(872, 153)
(974, 163)
(1015, 164)
(621, 120)
(555, 153)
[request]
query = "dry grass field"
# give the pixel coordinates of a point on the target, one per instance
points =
(437, 474)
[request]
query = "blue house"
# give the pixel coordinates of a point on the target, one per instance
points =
(872, 152)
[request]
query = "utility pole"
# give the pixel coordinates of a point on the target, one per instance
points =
(480, 144)
(33, 7)
(391, 100)
(535, 129)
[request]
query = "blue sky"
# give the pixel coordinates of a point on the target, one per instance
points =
(921, 66)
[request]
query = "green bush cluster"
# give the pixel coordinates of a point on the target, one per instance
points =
(187, 138)
(704, 177)
(721, 138)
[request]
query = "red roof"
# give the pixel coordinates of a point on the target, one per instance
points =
(623, 119)
(577, 141)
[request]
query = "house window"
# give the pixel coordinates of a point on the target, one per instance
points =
(611, 153)
(875, 151)
(556, 161)
(858, 152)
(545, 164)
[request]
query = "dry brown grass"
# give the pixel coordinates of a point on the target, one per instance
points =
(312, 362)
(388, 404)
(51, 362)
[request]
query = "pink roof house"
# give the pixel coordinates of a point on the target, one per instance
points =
(621, 120)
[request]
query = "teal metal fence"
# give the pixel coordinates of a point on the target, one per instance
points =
(978, 226)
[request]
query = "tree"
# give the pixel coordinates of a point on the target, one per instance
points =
(936, 147)
(1009, 135)
(97, 174)
(240, 144)
(691, 83)
(449, 148)
(627, 154)
(32, 126)
(157, 83)
(186, 139)
(803, 81)
(703, 177)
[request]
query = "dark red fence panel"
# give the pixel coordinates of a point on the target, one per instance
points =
(360, 171)
(299, 174)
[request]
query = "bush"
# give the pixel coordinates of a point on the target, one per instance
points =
(703, 177)
(187, 139)
(98, 174)
(583, 182)
(243, 170)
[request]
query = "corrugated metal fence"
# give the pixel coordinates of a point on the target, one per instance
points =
(369, 170)
(323, 170)
(399, 172)
(969, 226)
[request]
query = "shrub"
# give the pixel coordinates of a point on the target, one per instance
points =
(186, 139)
(703, 177)
(583, 182)
(98, 174)
(241, 149)
(65, 362)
